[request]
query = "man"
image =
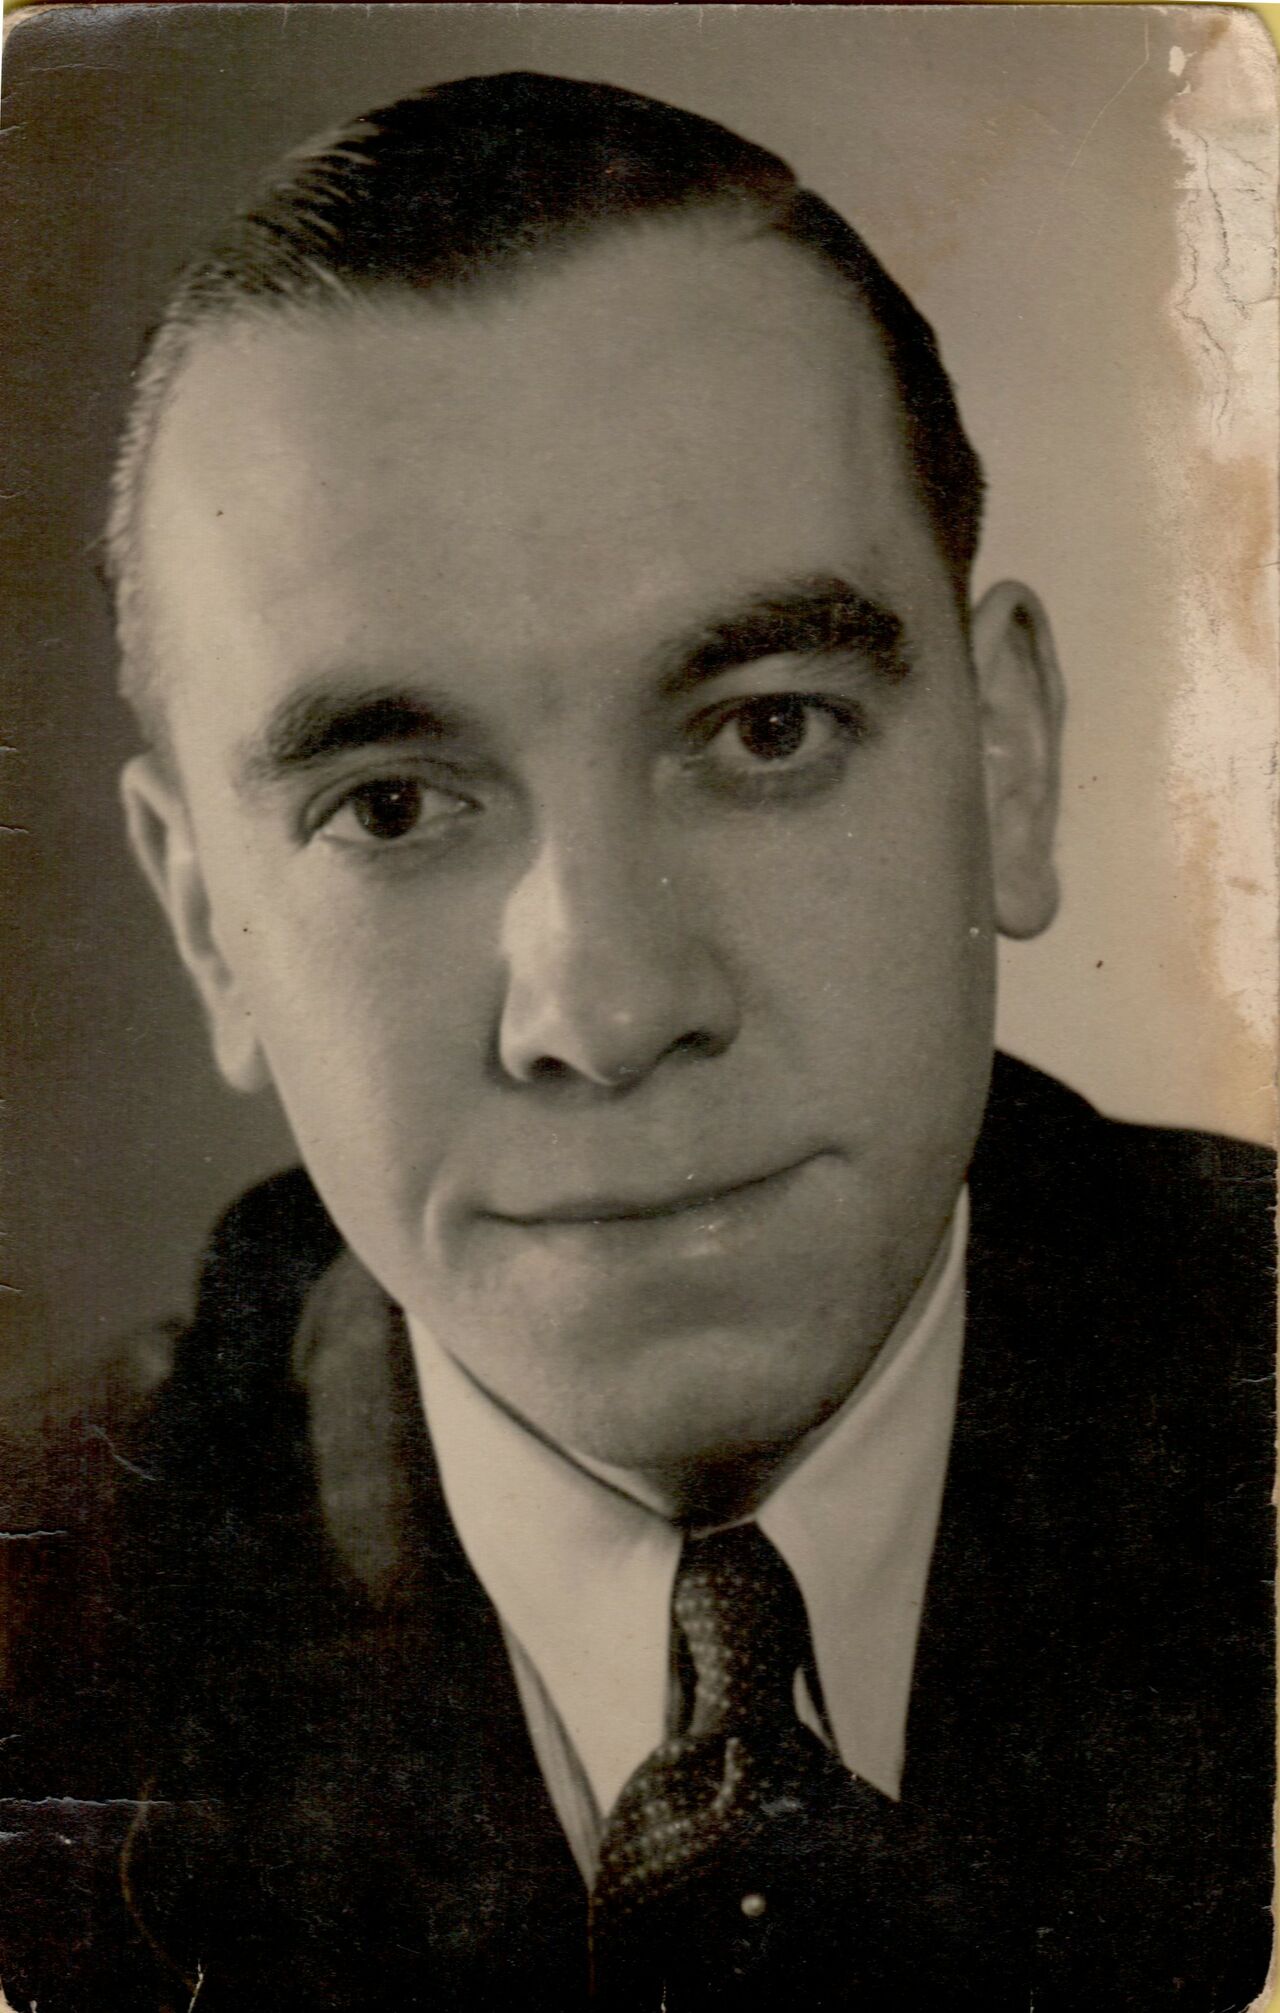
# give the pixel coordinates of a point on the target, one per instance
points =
(635, 1523)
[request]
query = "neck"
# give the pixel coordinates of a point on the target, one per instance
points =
(700, 1495)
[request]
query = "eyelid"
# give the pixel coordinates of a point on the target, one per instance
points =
(800, 674)
(847, 711)
(427, 830)
(379, 766)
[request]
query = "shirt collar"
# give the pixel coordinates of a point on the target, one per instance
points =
(856, 1517)
(581, 1571)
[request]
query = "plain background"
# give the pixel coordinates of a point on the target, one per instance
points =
(1023, 172)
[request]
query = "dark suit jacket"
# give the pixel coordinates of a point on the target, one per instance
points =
(281, 1648)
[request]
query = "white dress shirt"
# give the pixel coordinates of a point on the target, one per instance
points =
(580, 1567)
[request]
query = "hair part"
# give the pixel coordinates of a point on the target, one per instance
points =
(482, 182)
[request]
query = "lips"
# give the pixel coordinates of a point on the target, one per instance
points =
(615, 1208)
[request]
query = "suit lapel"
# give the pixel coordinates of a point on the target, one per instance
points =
(486, 1871)
(1000, 1683)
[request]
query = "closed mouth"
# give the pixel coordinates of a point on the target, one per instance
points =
(627, 1209)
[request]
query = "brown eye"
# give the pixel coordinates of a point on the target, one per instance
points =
(400, 812)
(387, 810)
(779, 742)
(773, 728)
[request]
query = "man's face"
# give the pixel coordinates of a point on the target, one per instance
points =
(582, 814)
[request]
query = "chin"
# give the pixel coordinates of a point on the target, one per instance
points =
(732, 1408)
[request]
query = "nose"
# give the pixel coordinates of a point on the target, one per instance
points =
(607, 973)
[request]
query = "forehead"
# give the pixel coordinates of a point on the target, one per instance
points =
(670, 418)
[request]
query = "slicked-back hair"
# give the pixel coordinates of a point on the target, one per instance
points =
(475, 184)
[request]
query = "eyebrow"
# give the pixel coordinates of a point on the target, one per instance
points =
(314, 725)
(820, 617)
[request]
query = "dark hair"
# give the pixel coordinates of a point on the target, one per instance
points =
(480, 181)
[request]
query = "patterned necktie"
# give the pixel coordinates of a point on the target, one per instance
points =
(705, 1829)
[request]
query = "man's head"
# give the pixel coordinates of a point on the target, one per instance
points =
(545, 535)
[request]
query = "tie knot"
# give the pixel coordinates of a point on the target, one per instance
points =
(743, 1623)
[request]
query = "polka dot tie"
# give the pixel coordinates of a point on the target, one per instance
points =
(688, 1860)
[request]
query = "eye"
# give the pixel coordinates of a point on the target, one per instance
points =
(391, 810)
(776, 734)
(772, 730)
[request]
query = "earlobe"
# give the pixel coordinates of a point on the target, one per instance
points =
(1021, 702)
(160, 834)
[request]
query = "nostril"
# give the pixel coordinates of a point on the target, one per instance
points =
(619, 1074)
(548, 1069)
(700, 1042)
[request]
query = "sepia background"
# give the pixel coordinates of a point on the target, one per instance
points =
(1079, 199)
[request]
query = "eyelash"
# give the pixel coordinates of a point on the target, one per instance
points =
(318, 824)
(772, 779)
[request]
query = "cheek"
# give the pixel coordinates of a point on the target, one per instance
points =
(873, 920)
(370, 1015)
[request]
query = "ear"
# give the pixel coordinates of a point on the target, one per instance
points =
(163, 842)
(1021, 705)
